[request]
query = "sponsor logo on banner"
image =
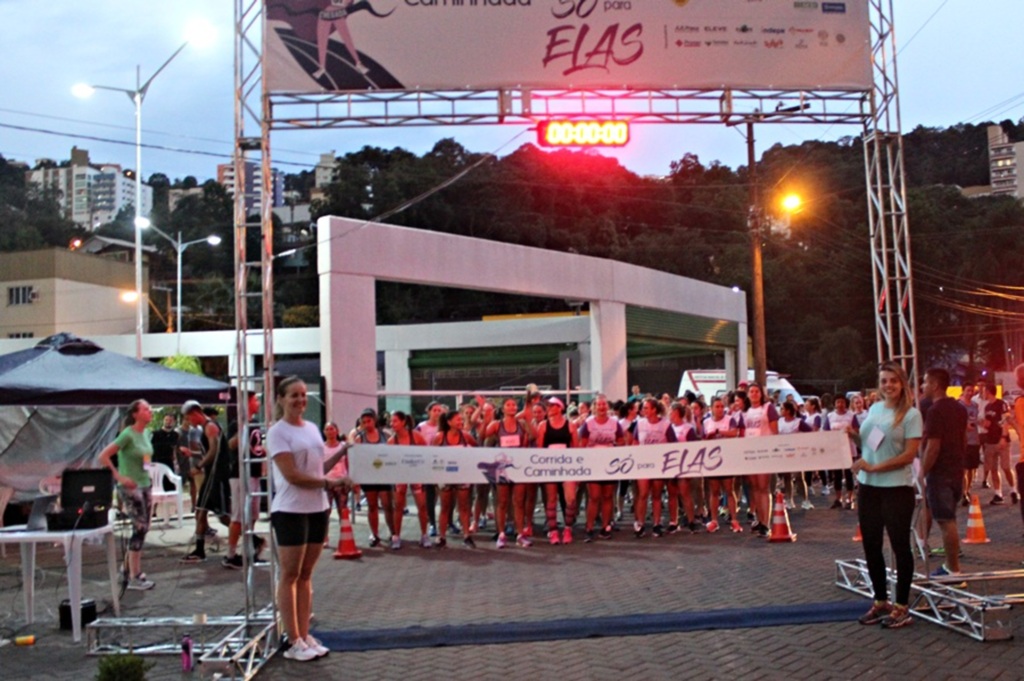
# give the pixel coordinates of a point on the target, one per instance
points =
(715, 29)
(801, 4)
(716, 43)
(796, 31)
(744, 29)
(684, 28)
(771, 30)
(745, 43)
(840, 38)
(773, 44)
(833, 7)
(801, 44)
(690, 43)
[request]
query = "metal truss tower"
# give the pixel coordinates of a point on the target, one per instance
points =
(887, 202)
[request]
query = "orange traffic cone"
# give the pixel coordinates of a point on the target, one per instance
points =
(347, 542)
(858, 536)
(975, 524)
(780, 521)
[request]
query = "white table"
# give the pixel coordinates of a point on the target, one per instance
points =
(73, 542)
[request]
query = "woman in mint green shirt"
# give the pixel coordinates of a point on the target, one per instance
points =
(134, 451)
(889, 437)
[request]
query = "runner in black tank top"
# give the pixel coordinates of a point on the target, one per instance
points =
(509, 433)
(558, 433)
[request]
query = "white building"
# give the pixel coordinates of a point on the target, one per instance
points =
(253, 182)
(1004, 158)
(90, 195)
(54, 290)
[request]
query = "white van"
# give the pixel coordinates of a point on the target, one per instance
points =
(711, 383)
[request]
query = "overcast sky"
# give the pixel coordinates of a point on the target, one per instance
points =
(957, 63)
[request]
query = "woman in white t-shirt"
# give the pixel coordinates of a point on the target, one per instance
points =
(760, 419)
(298, 512)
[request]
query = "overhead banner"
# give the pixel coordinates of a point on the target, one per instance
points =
(393, 464)
(316, 46)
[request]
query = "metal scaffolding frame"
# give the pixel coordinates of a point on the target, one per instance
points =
(895, 331)
(244, 651)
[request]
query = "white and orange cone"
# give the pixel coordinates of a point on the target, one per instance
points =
(781, 531)
(975, 524)
(347, 548)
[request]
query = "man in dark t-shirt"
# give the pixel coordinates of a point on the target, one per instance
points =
(942, 463)
(995, 450)
(165, 442)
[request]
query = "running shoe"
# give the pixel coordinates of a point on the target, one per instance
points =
(943, 572)
(502, 541)
(258, 543)
(762, 530)
(524, 541)
(374, 541)
(735, 526)
(1014, 497)
(589, 537)
(194, 557)
(997, 500)
(658, 531)
(456, 530)
(790, 505)
(210, 532)
(566, 535)
(712, 526)
(300, 652)
(941, 551)
(553, 538)
(396, 542)
(638, 530)
(605, 533)
(528, 530)
(140, 583)
(425, 542)
(695, 527)
(673, 528)
(433, 530)
(468, 542)
(836, 504)
(878, 612)
(232, 562)
(316, 646)
(472, 527)
(441, 543)
(899, 617)
(965, 502)
(807, 505)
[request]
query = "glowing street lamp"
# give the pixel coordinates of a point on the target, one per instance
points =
(179, 248)
(199, 32)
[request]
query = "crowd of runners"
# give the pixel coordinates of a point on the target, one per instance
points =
(592, 511)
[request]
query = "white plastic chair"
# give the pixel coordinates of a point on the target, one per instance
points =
(5, 497)
(158, 472)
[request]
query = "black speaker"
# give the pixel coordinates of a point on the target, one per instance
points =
(88, 613)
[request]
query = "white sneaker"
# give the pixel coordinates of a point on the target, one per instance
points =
(300, 652)
(140, 583)
(425, 542)
(396, 542)
(316, 646)
(807, 505)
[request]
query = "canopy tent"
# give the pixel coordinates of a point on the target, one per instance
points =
(69, 371)
(63, 400)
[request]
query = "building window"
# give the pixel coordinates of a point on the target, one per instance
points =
(21, 334)
(21, 295)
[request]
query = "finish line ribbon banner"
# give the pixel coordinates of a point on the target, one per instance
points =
(396, 464)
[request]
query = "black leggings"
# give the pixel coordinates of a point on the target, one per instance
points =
(891, 510)
(1019, 468)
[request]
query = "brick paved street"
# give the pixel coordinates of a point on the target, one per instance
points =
(459, 586)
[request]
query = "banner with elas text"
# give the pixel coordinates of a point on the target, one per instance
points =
(393, 464)
(315, 46)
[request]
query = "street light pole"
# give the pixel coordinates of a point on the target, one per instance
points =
(757, 265)
(137, 96)
(179, 249)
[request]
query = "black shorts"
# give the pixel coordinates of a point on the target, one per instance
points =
(299, 529)
(376, 488)
(215, 495)
(943, 496)
(972, 457)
